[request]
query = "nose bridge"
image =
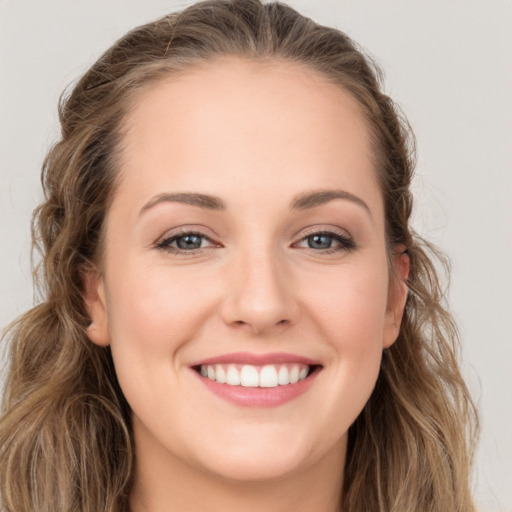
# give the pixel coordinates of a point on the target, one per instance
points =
(259, 294)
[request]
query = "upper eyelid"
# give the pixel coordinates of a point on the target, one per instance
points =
(326, 230)
(178, 231)
(186, 233)
(333, 234)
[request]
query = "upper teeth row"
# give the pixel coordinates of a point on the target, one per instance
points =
(268, 376)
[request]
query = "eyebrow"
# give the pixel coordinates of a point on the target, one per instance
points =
(321, 197)
(193, 199)
(301, 202)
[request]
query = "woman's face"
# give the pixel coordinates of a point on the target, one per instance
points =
(246, 235)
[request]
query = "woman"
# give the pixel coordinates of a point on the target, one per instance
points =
(237, 314)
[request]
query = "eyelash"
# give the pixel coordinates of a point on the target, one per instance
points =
(165, 244)
(344, 242)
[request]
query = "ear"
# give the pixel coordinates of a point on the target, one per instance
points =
(96, 306)
(397, 295)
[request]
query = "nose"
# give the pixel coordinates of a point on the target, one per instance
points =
(259, 296)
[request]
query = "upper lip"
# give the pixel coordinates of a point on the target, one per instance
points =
(256, 359)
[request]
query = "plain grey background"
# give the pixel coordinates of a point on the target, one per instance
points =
(448, 64)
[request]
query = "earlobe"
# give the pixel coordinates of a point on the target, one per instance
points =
(397, 295)
(96, 307)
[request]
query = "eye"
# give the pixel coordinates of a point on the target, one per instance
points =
(326, 241)
(185, 242)
(320, 241)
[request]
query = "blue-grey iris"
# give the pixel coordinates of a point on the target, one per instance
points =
(189, 242)
(319, 241)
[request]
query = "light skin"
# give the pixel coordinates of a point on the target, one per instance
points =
(272, 265)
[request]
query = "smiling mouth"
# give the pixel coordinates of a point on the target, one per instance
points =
(254, 376)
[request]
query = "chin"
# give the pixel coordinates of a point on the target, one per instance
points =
(241, 469)
(268, 457)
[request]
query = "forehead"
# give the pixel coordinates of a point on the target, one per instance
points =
(238, 122)
(235, 88)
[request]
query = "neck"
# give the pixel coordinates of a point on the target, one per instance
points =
(162, 483)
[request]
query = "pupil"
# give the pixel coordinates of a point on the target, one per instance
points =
(189, 242)
(319, 241)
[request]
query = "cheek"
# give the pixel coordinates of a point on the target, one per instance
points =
(349, 306)
(345, 310)
(349, 313)
(152, 311)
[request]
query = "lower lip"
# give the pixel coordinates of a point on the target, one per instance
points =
(259, 397)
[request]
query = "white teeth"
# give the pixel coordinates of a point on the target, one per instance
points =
(233, 376)
(268, 376)
(303, 373)
(284, 376)
(249, 377)
(220, 374)
(294, 374)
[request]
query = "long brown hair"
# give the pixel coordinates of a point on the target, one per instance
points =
(65, 432)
